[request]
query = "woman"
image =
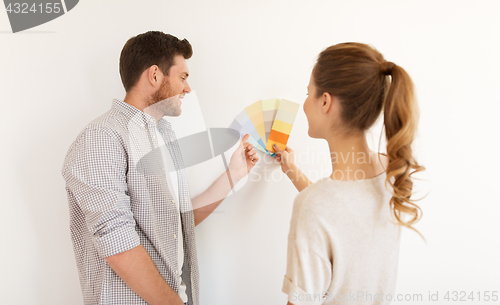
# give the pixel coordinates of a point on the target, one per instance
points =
(344, 234)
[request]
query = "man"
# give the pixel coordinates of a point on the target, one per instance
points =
(132, 227)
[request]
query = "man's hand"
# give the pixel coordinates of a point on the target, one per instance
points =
(136, 268)
(243, 160)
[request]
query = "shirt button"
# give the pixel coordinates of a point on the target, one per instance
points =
(175, 236)
(176, 272)
(173, 201)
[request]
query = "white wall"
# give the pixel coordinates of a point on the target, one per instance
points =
(57, 77)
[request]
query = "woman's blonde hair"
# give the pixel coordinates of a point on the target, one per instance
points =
(365, 83)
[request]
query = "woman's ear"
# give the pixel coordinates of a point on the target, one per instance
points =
(326, 102)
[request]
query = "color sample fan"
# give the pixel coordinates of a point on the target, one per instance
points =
(267, 122)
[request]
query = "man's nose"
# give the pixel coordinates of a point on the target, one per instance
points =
(187, 88)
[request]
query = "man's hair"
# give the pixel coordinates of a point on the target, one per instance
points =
(147, 49)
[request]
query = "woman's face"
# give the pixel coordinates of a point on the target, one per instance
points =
(312, 109)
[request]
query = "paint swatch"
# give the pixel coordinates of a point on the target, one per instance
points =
(244, 125)
(267, 121)
(269, 111)
(282, 125)
(254, 111)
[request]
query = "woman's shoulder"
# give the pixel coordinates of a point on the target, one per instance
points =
(313, 190)
(327, 187)
(316, 197)
(328, 198)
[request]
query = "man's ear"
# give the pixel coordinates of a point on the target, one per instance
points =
(326, 102)
(153, 74)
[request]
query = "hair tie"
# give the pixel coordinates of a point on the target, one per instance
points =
(386, 67)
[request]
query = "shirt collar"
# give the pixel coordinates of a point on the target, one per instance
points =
(164, 125)
(140, 117)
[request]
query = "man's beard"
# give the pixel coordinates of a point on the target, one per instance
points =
(165, 101)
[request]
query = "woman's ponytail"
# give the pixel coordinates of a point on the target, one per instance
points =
(400, 119)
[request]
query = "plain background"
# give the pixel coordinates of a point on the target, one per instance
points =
(59, 76)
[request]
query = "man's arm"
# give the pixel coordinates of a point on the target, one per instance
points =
(95, 174)
(138, 271)
(242, 161)
(208, 201)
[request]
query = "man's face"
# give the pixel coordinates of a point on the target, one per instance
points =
(168, 98)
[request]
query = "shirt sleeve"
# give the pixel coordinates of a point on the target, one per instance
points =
(95, 172)
(309, 270)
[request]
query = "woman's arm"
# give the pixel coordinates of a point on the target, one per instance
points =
(286, 159)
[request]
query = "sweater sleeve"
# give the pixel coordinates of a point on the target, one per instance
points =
(309, 270)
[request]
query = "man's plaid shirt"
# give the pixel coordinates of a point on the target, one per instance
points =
(119, 198)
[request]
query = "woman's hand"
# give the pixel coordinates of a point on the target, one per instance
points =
(286, 158)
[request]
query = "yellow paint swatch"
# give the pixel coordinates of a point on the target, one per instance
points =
(255, 113)
(282, 127)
